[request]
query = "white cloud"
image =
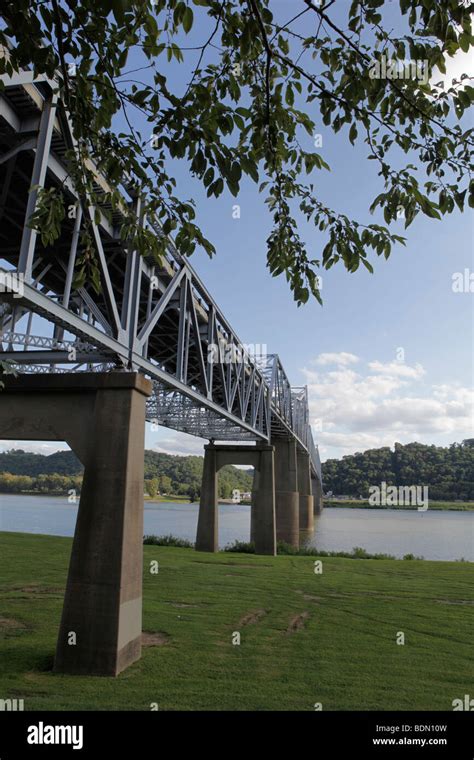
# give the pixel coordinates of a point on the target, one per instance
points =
(167, 441)
(398, 369)
(34, 447)
(341, 359)
(452, 392)
(384, 403)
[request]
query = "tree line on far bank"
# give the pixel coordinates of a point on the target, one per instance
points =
(447, 471)
(61, 472)
(45, 484)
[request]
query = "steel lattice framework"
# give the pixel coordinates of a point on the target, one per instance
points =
(158, 319)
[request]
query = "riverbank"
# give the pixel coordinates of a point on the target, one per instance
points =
(248, 547)
(168, 499)
(59, 495)
(299, 632)
(450, 506)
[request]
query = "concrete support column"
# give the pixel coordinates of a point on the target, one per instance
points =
(103, 602)
(102, 417)
(306, 502)
(262, 515)
(253, 507)
(286, 491)
(318, 496)
(263, 505)
(207, 531)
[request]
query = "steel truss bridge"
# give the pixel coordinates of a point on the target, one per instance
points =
(158, 319)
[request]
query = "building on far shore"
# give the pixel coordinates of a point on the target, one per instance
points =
(238, 496)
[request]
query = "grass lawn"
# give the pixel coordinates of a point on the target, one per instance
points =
(305, 637)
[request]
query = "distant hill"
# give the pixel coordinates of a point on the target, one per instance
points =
(447, 471)
(19, 462)
(188, 471)
(184, 473)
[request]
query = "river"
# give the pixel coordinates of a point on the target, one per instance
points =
(433, 534)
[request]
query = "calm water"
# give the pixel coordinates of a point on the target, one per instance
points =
(431, 534)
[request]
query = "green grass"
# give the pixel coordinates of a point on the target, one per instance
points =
(455, 506)
(345, 655)
(167, 540)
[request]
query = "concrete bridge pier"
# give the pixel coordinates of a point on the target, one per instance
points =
(102, 418)
(263, 532)
(318, 495)
(263, 520)
(306, 500)
(287, 502)
(207, 537)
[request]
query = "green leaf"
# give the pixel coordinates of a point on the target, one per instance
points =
(188, 18)
(283, 45)
(429, 208)
(459, 198)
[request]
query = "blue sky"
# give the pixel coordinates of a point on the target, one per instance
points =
(388, 357)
